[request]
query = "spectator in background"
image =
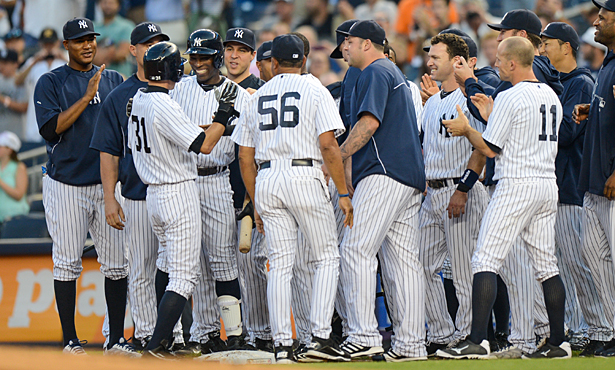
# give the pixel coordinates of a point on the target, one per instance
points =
(395, 41)
(549, 9)
(319, 63)
(5, 20)
(283, 12)
(136, 11)
(49, 57)
(320, 18)
(488, 50)
(12, 98)
(473, 18)
(114, 40)
(171, 16)
(13, 178)
(40, 14)
(14, 40)
(592, 51)
(367, 11)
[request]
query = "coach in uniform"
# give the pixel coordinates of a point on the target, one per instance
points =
(387, 199)
(67, 101)
(110, 138)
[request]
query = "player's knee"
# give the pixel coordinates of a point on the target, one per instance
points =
(230, 288)
(114, 273)
(67, 272)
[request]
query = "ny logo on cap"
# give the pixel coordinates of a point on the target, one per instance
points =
(83, 24)
(239, 33)
(152, 28)
(197, 41)
(295, 55)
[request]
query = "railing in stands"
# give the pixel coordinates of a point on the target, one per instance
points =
(34, 159)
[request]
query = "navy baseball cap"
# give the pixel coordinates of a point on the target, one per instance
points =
(287, 47)
(78, 27)
(368, 30)
(519, 19)
(145, 31)
(48, 35)
(564, 32)
(264, 51)
(341, 32)
(606, 4)
(473, 49)
(241, 35)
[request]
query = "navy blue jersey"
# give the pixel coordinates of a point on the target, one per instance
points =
(71, 161)
(111, 136)
(599, 146)
(348, 84)
(488, 75)
(578, 87)
(394, 150)
(544, 72)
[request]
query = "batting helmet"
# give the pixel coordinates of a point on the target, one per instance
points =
(206, 42)
(163, 62)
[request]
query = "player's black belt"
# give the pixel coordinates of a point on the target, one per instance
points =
(211, 170)
(295, 162)
(442, 183)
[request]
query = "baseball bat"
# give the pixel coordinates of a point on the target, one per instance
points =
(245, 231)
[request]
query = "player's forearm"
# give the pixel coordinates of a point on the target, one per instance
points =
(476, 162)
(248, 169)
(477, 141)
(69, 116)
(360, 134)
(109, 170)
(333, 160)
(212, 136)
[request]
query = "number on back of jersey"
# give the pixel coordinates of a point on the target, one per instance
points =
(543, 112)
(271, 118)
(140, 131)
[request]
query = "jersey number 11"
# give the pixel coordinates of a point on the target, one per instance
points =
(543, 111)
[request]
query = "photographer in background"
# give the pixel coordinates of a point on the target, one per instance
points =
(49, 57)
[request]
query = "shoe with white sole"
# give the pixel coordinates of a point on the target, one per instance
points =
(356, 350)
(466, 349)
(75, 347)
(392, 356)
(548, 350)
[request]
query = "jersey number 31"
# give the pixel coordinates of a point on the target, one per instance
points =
(292, 111)
(140, 127)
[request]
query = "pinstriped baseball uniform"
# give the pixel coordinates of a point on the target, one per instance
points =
(524, 124)
(446, 157)
(282, 122)
(159, 137)
(218, 225)
(417, 102)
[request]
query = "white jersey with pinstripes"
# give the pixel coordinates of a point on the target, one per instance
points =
(200, 106)
(446, 156)
(524, 124)
(160, 135)
(418, 104)
(279, 103)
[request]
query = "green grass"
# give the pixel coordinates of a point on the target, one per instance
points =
(580, 363)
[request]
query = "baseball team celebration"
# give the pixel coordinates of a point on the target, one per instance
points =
(303, 181)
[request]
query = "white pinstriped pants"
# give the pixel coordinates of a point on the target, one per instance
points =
(290, 199)
(385, 221)
(441, 237)
(175, 216)
(72, 211)
(598, 247)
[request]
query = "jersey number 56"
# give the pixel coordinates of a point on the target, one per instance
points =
(292, 111)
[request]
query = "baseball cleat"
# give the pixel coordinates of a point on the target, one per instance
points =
(235, 342)
(325, 349)
(548, 350)
(592, 347)
(263, 345)
(122, 348)
(392, 356)
(284, 355)
(213, 344)
(466, 349)
(301, 355)
(356, 350)
(608, 350)
(433, 347)
(192, 349)
(506, 353)
(160, 353)
(75, 347)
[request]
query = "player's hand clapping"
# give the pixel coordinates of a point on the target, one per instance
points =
(580, 113)
(458, 126)
(90, 93)
(428, 87)
(484, 105)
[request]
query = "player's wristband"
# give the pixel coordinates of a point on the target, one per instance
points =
(344, 195)
(467, 181)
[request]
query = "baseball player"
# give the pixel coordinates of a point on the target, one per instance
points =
(161, 138)
(446, 159)
(110, 139)
(263, 60)
(197, 97)
(517, 271)
(387, 199)
(239, 51)
(525, 200)
(597, 177)
(68, 100)
(290, 192)
(560, 44)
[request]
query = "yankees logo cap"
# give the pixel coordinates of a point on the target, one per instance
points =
(241, 35)
(287, 47)
(562, 31)
(145, 31)
(78, 27)
(519, 19)
(368, 30)
(341, 32)
(264, 51)
(606, 4)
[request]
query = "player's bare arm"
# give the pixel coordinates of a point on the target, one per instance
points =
(109, 169)
(580, 113)
(457, 204)
(248, 174)
(360, 135)
(333, 160)
(69, 116)
(348, 173)
(460, 126)
(484, 104)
